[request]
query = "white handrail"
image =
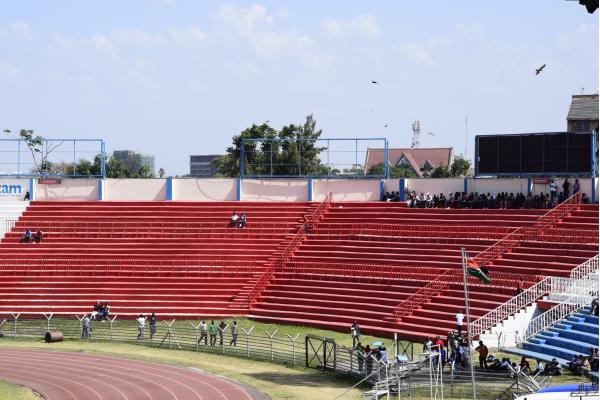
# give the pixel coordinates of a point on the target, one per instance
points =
(561, 311)
(574, 285)
(585, 269)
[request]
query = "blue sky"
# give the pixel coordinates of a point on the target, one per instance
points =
(174, 77)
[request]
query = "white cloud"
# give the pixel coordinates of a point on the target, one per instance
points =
(17, 29)
(10, 71)
(363, 26)
(580, 34)
(244, 21)
(258, 28)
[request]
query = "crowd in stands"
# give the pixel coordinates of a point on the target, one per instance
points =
(502, 200)
(29, 237)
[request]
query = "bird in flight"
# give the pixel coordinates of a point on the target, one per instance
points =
(540, 69)
(385, 126)
(374, 82)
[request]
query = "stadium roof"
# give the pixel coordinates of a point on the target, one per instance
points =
(583, 107)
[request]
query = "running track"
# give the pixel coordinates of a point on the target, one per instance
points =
(77, 376)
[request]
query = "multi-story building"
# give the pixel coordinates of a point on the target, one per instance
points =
(200, 165)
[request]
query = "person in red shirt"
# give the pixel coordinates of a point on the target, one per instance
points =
(483, 353)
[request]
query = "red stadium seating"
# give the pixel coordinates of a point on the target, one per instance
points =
(358, 263)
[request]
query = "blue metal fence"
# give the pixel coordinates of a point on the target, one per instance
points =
(332, 158)
(18, 160)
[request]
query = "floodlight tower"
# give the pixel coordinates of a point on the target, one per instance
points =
(416, 137)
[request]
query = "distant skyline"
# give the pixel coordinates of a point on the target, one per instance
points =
(174, 78)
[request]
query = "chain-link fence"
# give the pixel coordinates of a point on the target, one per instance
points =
(399, 368)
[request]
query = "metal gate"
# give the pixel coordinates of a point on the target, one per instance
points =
(320, 353)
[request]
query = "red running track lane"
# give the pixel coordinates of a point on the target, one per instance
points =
(77, 376)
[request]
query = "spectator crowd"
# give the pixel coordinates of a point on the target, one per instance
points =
(502, 200)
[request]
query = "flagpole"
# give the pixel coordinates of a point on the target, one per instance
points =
(469, 345)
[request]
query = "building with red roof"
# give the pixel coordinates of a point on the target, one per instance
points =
(421, 161)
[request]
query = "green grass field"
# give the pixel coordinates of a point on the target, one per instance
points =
(277, 381)
(8, 391)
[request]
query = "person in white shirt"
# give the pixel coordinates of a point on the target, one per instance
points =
(203, 333)
(141, 321)
(459, 322)
(427, 345)
(233, 221)
(553, 187)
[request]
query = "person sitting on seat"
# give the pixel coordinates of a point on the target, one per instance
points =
(242, 222)
(552, 368)
(233, 221)
(524, 365)
(39, 235)
(594, 307)
(26, 237)
(96, 310)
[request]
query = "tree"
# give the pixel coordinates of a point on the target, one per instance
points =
(460, 166)
(286, 156)
(161, 173)
(394, 172)
(39, 154)
(441, 172)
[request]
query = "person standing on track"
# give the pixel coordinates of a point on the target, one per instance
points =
(152, 325)
(141, 321)
(234, 334)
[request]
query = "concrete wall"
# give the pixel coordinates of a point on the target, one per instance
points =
(68, 189)
(435, 186)
(135, 189)
(205, 189)
(190, 189)
(510, 185)
(392, 185)
(13, 189)
(274, 190)
(347, 189)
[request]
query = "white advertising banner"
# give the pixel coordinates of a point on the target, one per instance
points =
(13, 189)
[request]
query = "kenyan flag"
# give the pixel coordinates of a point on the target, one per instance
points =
(478, 272)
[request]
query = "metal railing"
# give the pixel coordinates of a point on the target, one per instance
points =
(548, 285)
(407, 306)
(562, 310)
(386, 231)
(180, 267)
(584, 270)
(310, 222)
(529, 232)
(170, 333)
(161, 228)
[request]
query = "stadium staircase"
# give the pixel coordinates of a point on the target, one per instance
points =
(172, 258)
(562, 340)
(366, 258)
(10, 211)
